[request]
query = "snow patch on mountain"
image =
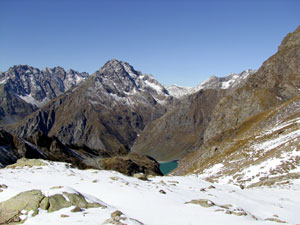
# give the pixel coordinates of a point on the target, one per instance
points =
(4, 80)
(31, 100)
(231, 81)
(269, 156)
(179, 91)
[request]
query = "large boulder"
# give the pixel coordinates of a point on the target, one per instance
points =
(33, 200)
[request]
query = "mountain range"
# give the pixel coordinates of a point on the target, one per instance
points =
(118, 111)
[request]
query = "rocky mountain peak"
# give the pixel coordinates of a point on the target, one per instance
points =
(118, 68)
(292, 39)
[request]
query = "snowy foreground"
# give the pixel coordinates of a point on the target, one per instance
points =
(159, 201)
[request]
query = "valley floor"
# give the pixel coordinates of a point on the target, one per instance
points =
(158, 201)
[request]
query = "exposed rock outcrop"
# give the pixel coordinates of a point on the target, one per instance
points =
(16, 209)
(131, 164)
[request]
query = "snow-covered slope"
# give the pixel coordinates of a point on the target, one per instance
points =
(230, 81)
(160, 200)
(265, 152)
(179, 91)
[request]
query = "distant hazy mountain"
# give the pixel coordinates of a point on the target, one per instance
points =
(230, 81)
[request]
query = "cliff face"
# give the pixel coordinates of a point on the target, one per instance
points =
(274, 83)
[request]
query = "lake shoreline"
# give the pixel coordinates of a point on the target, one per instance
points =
(167, 166)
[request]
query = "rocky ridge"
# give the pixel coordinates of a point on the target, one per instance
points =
(229, 82)
(182, 129)
(24, 89)
(112, 107)
(255, 127)
(15, 150)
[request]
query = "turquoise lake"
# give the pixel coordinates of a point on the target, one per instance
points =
(167, 167)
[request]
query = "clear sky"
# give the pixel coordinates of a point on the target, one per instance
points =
(179, 42)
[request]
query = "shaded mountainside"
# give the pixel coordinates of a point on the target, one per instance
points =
(40, 146)
(24, 89)
(254, 115)
(106, 112)
(182, 129)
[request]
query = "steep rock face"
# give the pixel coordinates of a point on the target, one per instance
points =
(277, 81)
(25, 88)
(106, 112)
(246, 110)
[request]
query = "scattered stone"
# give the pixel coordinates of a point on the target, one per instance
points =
(228, 212)
(3, 186)
(202, 189)
(227, 206)
(202, 202)
(116, 215)
(275, 220)
(219, 210)
(162, 182)
(64, 216)
(116, 218)
(57, 187)
(140, 176)
(162, 191)
(76, 209)
(173, 182)
(95, 181)
(242, 187)
(1, 190)
(211, 187)
(240, 213)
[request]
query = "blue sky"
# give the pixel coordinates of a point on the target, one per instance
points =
(179, 42)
